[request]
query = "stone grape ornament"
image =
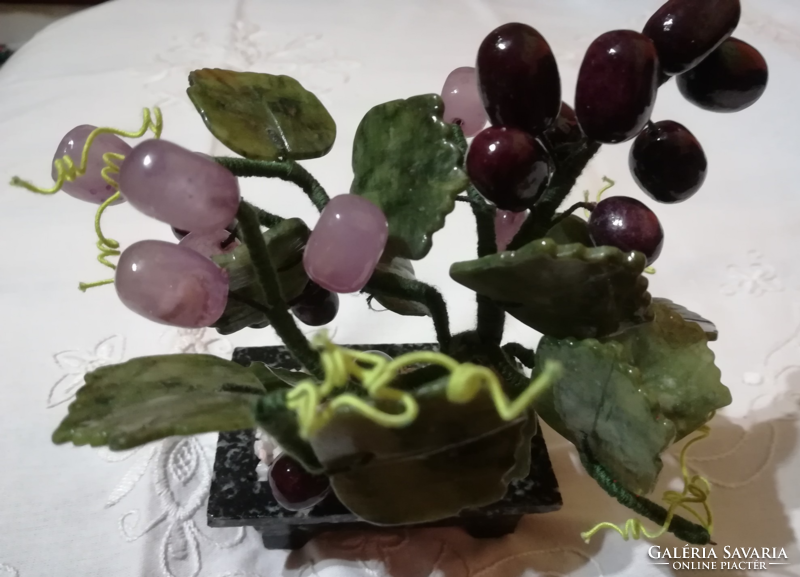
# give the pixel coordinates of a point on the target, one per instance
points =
(429, 433)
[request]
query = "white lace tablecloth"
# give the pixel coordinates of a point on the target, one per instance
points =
(731, 253)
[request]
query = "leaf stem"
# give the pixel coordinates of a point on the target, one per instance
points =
(491, 318)
(287, 170)
(680, 527)
(523, 354)
(413, 290)
(566, 174)
(275, 308)
(590, 206)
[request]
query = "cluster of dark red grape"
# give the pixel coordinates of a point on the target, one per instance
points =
(516, 84)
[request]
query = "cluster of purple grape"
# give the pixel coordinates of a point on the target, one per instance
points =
(179, 284)
(516, 84)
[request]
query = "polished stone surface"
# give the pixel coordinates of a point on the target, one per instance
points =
(239, 499)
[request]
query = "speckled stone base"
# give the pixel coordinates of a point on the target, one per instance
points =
(238, 499)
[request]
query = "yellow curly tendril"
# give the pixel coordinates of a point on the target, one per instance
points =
(315, 409)
(67, 171)
(696, 490)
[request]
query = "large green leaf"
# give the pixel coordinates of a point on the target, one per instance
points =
(403, 268)
(676, 366)
(286, 242)
(406, 160)
(261, 116)
(598, 402)
(450, 458)
(563, 290)
(149, 398)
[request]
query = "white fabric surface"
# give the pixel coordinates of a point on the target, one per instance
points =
(730, 254)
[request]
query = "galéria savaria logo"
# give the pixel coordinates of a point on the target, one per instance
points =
(719, 558)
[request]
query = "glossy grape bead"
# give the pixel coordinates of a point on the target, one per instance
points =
(346, 244)
(171, 284)
(732, 78)
(565, 130)
(617, 86)
(315, 306)
(667, 162)
(686, 31)
(518, 78)
(506, 227)
(179, 187)
(293, 487)
(462, 102)
(210, 243)
(627, 224)
(90, 187)
(509, 167)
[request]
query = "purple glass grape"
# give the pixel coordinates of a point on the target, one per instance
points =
(210, 243)
(518, 78)
(686, 31)
(171, 284)
(293, 487)
(315, 306)
(180, 187)
(617, 86)
(627, 224)
(667, 162)
(346, 244)
(90, 187)
(732, 78)
(462, 102)
(506, 227)
(509, 167)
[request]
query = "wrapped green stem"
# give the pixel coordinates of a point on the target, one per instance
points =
(275, 308)
(287, 170)
(413, 290)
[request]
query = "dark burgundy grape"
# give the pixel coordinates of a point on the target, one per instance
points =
(732, 78)
(565, 130)
(315, 306)
(667, 162)
(686, 31)
(617, 86)
(518, 78)
(627, 224)
(509, 167)
(293, 487)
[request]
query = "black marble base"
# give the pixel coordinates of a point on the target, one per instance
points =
(238, 499)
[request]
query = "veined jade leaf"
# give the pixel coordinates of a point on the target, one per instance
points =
(563, 290)
(286, 242)
(404, 269)
(261, 116)
(406, 160)
(450, 458)
(709, 328)
(598, 402)
(150, 398)
(676, 366)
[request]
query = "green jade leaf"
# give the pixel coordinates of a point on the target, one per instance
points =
(598, 401)
(150, 398)
(572, 229)
(563, 290)
(286, 242)
(406, 160)
(403, 268)
(677, 367)
(261, 116)
(452, 457)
